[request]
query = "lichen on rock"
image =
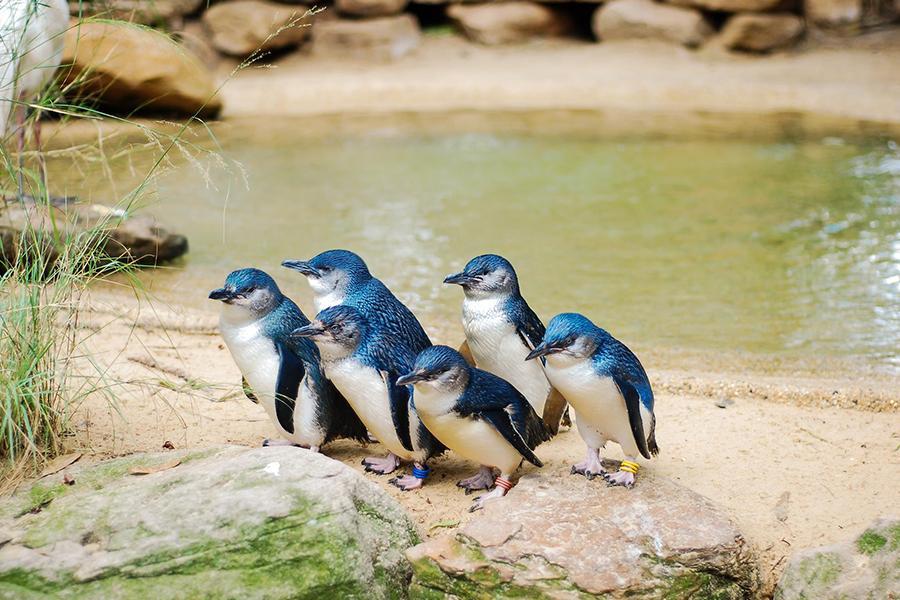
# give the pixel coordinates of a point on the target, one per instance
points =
(215, 526)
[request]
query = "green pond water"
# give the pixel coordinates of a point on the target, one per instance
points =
(781, 243)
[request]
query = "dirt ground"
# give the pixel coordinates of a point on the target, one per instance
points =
(792, 476)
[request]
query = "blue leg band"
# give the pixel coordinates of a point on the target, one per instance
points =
(421, 473)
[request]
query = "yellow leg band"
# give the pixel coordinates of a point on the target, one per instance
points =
(630, 467)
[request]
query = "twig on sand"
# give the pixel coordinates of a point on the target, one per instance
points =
(152, 364)
(818, 437)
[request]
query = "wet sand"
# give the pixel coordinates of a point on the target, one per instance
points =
(853, 78)
(831, 471)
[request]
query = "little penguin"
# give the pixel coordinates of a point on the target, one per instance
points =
(282, 374)
(478, 415)
(364, 365)
(501, 329)
(608, 388)
(342, 277)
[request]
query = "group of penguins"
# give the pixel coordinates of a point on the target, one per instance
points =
(364, 367)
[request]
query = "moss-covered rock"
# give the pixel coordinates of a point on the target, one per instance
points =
(225, 523)
(867, 567)
(571, 538)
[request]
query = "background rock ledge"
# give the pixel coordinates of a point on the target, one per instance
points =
(574, 538)
(227, 522)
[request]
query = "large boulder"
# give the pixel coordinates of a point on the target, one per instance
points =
(833, 13)
(165, 12)
(241, 27)
(222, 523)
(761, 32)
(136, 238)
(865, 567)
(645, 19)
(385, 38)
(570, 537)
(370, 8)
(130, 68)
(508, 22)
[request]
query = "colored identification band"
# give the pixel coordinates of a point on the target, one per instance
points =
(503, 483)
(629, 467)
(421, 473)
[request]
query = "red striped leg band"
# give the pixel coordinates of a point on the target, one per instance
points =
(503, 483)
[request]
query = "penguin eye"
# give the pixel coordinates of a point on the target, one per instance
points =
(325, 269)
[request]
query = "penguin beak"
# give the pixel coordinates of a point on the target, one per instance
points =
(302, 266)
(221, 294)
(307, 331)
(411, 378)
(543, 349)
(460, 279)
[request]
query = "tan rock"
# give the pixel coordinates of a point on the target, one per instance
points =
(570, 537)
(129, 68)
(833, 13)
(645, 19)
(137, 11)
(761, 32)
(242, 27)
(370, 8)
(385, 38)
(508, 22)
(732, 5)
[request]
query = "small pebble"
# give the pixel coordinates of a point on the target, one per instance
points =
(724, 402)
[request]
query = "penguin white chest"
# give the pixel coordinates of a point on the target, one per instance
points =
(473, 439)
(600, 410)
(366, 391)
(497, 348)
(255, 355)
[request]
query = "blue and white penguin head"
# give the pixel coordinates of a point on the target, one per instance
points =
(440, 367)
(569, 334)
(250, 290)
(486, 275)
(337, 331)
(332, 272)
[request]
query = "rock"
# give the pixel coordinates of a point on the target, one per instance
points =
(645, 19)
(227, 522)
(570, 537)
(508, 22)
(242, 27)
(138, 238)
(385, 38)
(761, 33)
(370, 8)
(734, 5)
(193, 35)
(867, 567)
(131, 68)
(137, 11)
(833, 13)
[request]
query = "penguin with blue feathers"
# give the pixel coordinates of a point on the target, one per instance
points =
(478, 415)
(282, 374)
(342, 277)
(364, 364)
(501, 329)
(607, 387)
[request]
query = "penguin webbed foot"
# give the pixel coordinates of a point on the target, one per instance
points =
(620, 478)
(407, 482)
(268, 442)
(482, 480)
(591, 467)
(381, 465)
(478, 504)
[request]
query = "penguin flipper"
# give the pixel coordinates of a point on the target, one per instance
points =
(399, 398)
(633, 404)
(502, 421)
(287, 385)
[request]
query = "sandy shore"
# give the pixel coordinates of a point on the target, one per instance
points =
(792, 476)
(854, 78)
